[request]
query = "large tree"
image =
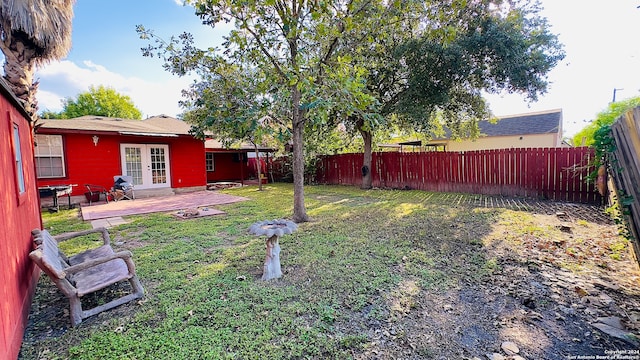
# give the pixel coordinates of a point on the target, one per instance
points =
(430, 72)
(33, 32)
(100, 101)
(292, 45)
(586, 136)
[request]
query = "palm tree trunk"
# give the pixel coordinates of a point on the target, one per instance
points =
(33, 32)
(18, 69)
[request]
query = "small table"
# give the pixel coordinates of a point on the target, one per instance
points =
(56, 191)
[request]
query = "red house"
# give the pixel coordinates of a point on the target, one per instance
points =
(236, 163)
(159, 153)
(20, 214)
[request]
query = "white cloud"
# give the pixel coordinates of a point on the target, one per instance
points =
(64, 79)
(49, 101)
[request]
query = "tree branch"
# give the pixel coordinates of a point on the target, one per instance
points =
(264, 50)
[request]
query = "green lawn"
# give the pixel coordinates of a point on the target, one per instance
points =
(361, 264)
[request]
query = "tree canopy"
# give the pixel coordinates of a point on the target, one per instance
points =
(290, 46)
(512, 51)
(99, 101)
(428, 68)
(586, 136)
(356, 63)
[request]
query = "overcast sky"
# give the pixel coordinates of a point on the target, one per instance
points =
(600, 39)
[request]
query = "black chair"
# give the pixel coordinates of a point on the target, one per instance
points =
(94, 191)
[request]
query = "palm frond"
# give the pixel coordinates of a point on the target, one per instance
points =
(46, 23)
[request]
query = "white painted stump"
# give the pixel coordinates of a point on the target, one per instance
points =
(273, 229)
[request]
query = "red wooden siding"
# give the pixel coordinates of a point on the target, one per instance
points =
(19, 214)
(87, 163)
(545, 173)
(187, 162)
(228, 167)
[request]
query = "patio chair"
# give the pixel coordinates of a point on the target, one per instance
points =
(123, 187)
(94, 191)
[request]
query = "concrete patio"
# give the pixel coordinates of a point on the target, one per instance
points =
(156, 204)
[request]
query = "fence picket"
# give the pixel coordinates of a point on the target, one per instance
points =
(545, 173)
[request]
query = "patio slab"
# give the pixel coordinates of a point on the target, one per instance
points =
(157, 204)
(108, 222)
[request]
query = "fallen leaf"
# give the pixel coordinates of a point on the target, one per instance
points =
(581, 292)
(510, 348)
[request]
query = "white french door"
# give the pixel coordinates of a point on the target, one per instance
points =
(148, 164)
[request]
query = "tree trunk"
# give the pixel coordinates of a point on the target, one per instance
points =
(258, 166)
(367, 137)
(299, 210)
(18, 71)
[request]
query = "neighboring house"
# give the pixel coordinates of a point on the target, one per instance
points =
(232, 164)
(158, 152)
(531, 130)
(20, 214)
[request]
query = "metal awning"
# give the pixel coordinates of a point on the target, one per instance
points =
(411, 143)
(394, 146)
(145, 134)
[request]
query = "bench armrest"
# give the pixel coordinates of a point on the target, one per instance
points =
(124, 255)
(66, 236)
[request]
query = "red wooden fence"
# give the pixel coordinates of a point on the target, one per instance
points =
(542, 173)
(625, 169)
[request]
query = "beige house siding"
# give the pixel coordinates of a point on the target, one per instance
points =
(505, 142)
(541, 129)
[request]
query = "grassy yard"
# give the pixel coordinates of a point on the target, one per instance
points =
(375, 274)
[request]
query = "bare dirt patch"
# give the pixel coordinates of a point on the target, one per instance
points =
(558, 287)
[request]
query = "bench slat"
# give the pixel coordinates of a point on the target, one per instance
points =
(91, 254)
(101, 276)
(51, 258)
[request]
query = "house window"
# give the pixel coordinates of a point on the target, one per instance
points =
(49, 156)
(17, 150)
(211, 163)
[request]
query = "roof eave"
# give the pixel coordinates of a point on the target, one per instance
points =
(146, 134)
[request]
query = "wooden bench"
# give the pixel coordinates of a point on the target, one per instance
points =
(85, 272)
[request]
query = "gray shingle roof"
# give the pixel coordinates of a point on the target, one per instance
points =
(158, 125)
(543, 122)
(524, 124)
